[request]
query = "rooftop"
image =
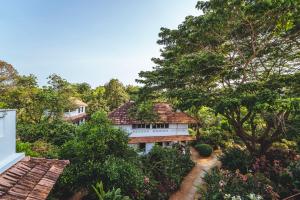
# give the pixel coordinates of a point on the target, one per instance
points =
(120, 116)
(78, 102)
(30, 178)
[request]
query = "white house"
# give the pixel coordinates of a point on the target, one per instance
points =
(171, 127)
(23, 178)
(8, 155)
(78, 115)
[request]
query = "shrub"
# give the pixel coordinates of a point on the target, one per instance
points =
(166, 168)
(294, 169)
(119, 173)
(222, 184)
(26, 147)
(56, 132)
(236, 158)
(276, 165)
(114, 194)
(99, 151)
(204, 149)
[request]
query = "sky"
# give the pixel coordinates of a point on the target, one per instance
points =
(86, 40)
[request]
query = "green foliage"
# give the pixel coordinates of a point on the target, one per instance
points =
(97, 101)
(26, 148)
(144, 111)
(222, 184)
(7, 75)
(232, 61)
(166, 168)
(56, 132)
(294, 169)
(114, 194)
(37, 149)
(236, 158)
(125, 175)
(100, 151)
(133, 92)
(115, 94)
(204, 149)
(285, 144)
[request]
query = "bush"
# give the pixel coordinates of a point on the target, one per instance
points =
(236, 158)
(114, 194)
(166, 168)
(56, 132)
(294, 169)
(26, 147)
(204, 149)
(99, 151)
(222, 184)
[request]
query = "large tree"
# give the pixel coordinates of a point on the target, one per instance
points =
(115, 94)
(7, 75)
(240, 57)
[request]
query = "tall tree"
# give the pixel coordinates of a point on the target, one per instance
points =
(7, 74)
(115, 94)
(239, 57)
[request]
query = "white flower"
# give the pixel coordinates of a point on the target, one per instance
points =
(236, 198)
(227, 196)
(254, 197)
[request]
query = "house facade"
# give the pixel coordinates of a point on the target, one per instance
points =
(21, 177)
(171, 126)
(77, 115)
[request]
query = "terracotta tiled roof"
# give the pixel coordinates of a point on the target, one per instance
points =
(30, 179)
(76, 118)
(164, 110)
(136, 140)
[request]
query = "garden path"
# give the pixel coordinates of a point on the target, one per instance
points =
(188, 187)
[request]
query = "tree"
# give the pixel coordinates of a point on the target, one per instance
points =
(97, 101)
(115, 94)
(7, 74)
(240, 58)
(133, 92)
(58, 94)
(99, 151)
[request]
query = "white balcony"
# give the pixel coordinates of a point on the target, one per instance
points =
(173, 130)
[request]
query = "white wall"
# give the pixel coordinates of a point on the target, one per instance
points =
(8, 155)
(74, 113)
(174, 129)
(149, 146)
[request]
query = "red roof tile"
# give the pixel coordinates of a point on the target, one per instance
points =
(30, 179)
(173, 138)
(164, 110)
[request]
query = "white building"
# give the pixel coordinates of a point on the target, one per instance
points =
(8, 155)
(171, 127)
(23, 178)
(78, 114)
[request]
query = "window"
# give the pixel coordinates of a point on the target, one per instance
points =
(142, 146)
(78, 110)
(160, 126)
(135, 126)
(81, 109)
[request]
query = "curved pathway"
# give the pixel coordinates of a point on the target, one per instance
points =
(188, 187)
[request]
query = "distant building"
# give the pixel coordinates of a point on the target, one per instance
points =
(171, 126)
(77, 115)
(23, 178)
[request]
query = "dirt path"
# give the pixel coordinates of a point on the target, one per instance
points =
(188, 188)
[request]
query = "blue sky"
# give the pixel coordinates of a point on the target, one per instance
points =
(86, 40)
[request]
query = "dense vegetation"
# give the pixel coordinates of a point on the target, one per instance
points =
(236, 69)
(98, 152)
